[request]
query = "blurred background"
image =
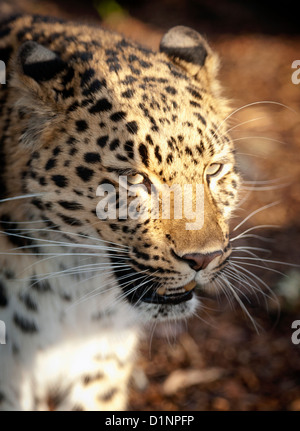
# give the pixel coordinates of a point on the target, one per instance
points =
(218, 360)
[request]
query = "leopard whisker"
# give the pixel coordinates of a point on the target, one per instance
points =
(56, 242)
(247, 283)
(246, 249)
(263, 183)
(261, 238)
(277, 262)
(256, 212)
(260, 102)
(245, 122)
(98, 290)
(121, 285)
(251, 275)
(55, 254)
(264, 188)
(225, 292)
(259, 156)
(259, 137)
(209, 321)
(236, 296)
(103, 273)
(78, 270)
(254, 285)
(153, 326)
(60, 231)
(84, 246)
(261, 226)
(90, 237)
(271, 181)
(149, 288)
(25, 222)
(242, 283)
(145, 279)
(237, 289)
(32, 195)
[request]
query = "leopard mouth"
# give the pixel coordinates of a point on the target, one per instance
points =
(172, 299)
(137, 290)
(159, 296)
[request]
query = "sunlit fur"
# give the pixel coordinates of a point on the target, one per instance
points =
(68, 279)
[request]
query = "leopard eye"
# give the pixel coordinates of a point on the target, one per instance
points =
(135, 179)
(214, 169)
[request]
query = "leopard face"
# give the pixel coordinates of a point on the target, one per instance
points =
(89, 107)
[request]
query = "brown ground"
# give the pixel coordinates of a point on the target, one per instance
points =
(217, 361)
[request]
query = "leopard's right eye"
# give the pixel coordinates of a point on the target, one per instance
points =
(214, 169)
(135, 179)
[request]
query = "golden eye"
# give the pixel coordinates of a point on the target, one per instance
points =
(135, 179)
(214, 169)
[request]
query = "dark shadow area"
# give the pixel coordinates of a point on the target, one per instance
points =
(215, 17)
(218, 17)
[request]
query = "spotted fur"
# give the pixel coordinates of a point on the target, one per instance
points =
(81, 107)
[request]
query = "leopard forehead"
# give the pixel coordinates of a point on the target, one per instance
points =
(126, 97)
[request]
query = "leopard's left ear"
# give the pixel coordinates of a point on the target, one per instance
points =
(187, 48)
(38, 62)
(34, 68)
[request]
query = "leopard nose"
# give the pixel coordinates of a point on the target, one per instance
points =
(199, 261)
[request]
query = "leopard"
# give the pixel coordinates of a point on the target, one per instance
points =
(82, 107)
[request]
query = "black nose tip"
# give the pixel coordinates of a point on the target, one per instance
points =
(199, 261)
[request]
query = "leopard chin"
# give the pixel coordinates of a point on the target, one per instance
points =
(169, 308)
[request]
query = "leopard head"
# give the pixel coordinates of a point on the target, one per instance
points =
(106, 127)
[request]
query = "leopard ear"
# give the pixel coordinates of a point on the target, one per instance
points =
(38, 62)
(34, 67)
(187, 48)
